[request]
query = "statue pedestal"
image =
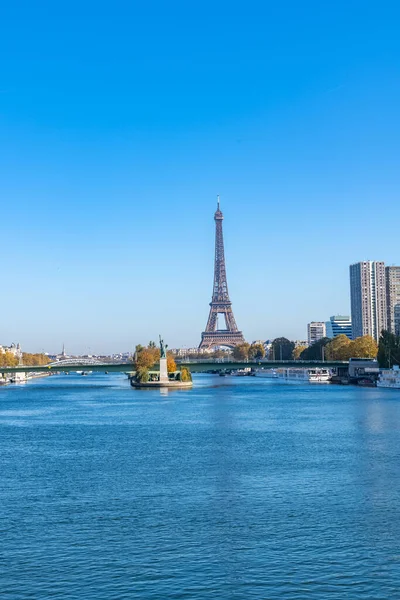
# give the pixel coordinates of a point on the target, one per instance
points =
(163, 370)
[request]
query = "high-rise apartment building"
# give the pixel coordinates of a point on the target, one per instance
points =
(315, 331)
(337, 325)
(393, 299)
(368, 298)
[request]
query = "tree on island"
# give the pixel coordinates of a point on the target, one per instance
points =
(148, 357)
(184, 375)
(171, 364)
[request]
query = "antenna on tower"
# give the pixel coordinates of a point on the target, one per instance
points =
(218, 202)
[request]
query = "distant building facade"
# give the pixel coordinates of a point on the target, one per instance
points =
(337, 325)
(393, 299)
(316, 330)
(300, 343)
(14, 349)
(368, 298)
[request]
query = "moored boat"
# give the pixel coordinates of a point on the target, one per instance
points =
(389, 378)
(243, 372)
(303, 375)
(268, 373)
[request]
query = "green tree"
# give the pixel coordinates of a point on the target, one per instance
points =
(388, 349)
(282, 349)
(339, 348)
(316, 350)
(256, 351)
(142, 375)
(185, 374)
(241, 352)
(364, 347)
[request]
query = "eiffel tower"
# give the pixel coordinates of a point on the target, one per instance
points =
(220, 303)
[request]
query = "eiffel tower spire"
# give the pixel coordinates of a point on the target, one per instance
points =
(220, 302)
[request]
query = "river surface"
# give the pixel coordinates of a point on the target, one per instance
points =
(241, 488)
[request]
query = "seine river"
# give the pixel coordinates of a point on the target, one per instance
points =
(241, 488)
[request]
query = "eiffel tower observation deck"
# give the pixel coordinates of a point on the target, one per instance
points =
(220, 303)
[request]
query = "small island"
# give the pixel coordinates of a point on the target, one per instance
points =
(166, 376)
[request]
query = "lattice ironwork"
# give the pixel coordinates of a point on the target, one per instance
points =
(220, 303)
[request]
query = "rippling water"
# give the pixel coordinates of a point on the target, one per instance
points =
(239, 488)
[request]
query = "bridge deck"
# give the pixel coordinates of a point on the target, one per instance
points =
(195, 366)
(111, 368)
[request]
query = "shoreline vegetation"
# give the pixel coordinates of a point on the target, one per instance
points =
(8, 359)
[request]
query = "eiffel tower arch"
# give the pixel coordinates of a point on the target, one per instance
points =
(220, 303)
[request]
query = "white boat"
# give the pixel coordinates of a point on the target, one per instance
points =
(243, 372)
(270, 373)
(19, 378)
(389, 378)
(310, 375)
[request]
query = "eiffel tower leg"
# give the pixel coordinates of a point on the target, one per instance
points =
(212, 320)
(230, 321)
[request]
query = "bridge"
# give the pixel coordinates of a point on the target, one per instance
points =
(195, 366)
(225, 364)
(72, 365)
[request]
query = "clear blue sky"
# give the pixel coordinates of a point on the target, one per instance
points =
(121, 121)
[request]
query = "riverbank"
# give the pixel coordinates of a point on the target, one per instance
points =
(21, 378)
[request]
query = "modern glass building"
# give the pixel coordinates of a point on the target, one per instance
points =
(337, 325)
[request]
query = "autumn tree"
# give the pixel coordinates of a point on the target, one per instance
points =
(297, 351)
(364, 347)
(171, 364)
(146, 357)
(241, 352)
(339, 348)
(256, 351)
(34, 359)
(7, 359)
(282, 349)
